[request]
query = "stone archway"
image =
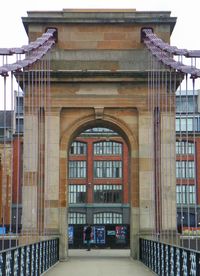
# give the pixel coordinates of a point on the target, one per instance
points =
(99, 72)
(121, 126)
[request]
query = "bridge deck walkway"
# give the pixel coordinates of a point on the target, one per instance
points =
(97, 262)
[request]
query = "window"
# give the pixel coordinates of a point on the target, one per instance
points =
(77, 169)
(184, 147)
(187, 124)
(108, 193)
(186, 219)
(107, 148)
(77, 193)
(19, 106)
(78, 148)
(184, 124)
(185, 169)
(5, 133)
(76, 218)
(185, 194)
(19, 125)
(108, 218)
(107, 169)
(186, 104)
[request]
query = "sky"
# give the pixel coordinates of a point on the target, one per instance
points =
(185, 34)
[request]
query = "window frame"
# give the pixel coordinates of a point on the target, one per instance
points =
(107, 169)
(107, 193)
(77, 192)
(185, 194)
(107, 148)
(76, 218)
(77, 147)
(185, 169)
(185, 147)
(77, 171)
(107, 218)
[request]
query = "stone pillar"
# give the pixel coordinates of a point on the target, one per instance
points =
(51, 187)
(168, 176)
(63, 241)
(29, 189)
(134, 188)
(134, 232)
(146, 173)
(63, 210)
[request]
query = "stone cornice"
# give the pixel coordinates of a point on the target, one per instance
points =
(103, 76)
(99, 17)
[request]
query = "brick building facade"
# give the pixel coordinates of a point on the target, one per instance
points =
(188, 159)
(11, 165)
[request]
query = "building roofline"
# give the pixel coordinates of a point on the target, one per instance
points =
(100, 16)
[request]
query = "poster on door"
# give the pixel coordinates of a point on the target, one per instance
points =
(100, 234)
(121, 233)
(70, 234)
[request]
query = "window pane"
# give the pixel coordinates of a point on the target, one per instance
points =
(107, 169)
(184, 147)
(185, 194)
(107, 218)
(185, 104)
(108, 193)
(77, 194)
(76, 218)
(77, 169)
(185, 169)
(107, 148)
(78, 148)
(187, 124)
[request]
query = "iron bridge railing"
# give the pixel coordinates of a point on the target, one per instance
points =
(168, 260)
(29, 260)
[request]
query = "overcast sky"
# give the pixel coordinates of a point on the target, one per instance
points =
(185, 34)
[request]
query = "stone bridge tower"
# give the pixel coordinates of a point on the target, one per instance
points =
(99, 75)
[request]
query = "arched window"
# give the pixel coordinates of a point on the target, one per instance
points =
(76, 218)
(107, 218)
(107, 148)
(78, 148)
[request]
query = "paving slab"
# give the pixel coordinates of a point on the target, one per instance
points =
(99, 263)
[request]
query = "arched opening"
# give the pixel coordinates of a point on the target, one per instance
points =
(98, 187)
